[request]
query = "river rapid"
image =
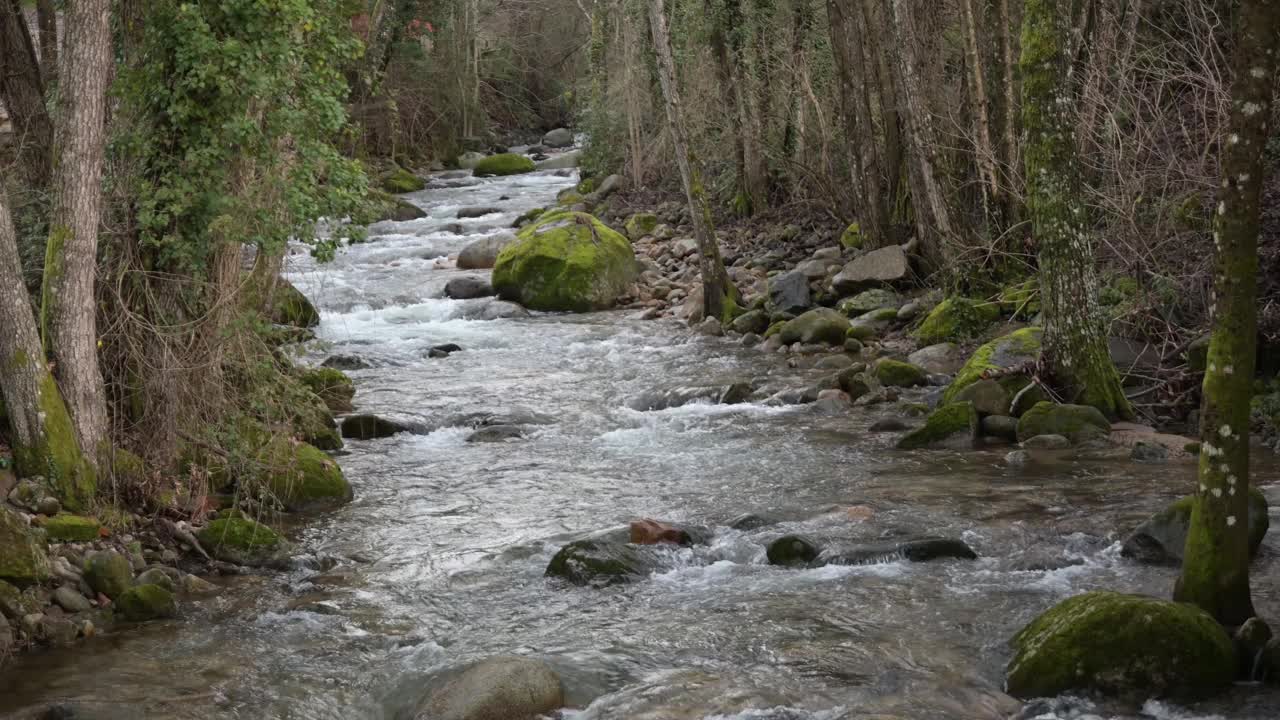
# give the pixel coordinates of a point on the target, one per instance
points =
(439, 561)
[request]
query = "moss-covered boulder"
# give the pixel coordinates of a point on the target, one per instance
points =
(568, 197)
(1121, 645)
(951, 427)
(869, 300)
(598, 562)
(108, 572)
(71, 528)
(956, 318)
(860, 331)
(752, 321)
(290, 307)
(820, 325)
(301, 477)
(565, 262)
(988, 396)
(895, 373)
(155, 576)
(1161, 539)
(1015, 350)
(23, 558)
(1077, 423)
(851, 238)
(146, 602)
(397, 180)
(503, 164)
(312, 421)
(381, 205)
(332, 386)
(242, 541)
(640, 224)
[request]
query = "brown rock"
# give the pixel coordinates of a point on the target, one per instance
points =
(651, 532)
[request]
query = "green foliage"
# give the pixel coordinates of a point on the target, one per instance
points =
(231, 114)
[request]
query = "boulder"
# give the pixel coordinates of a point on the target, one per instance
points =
(475, 212)
(368, 427)
(868, 300)
(155, 576)
(683, 395)
(483, 253)
(565, 262)
(497, 433)
(242, 541)
(1000, 426)
(290, 307)
(1018, 349)
(820, 325)
(467, 287)
(71, 528)
(939, 358)
(921, 550)
(789, 293)
(953, 427)
(499, 688)
(399, 181)
(793, 551)
(330, 385)
(1121, 645)
(558, 138)
(1161, 539)
(469, 160)
(23, 558)
(956, 318)
(108, 572)
(652, 532)
(883, 266)
(70, 599)
(895, 373)
(503, 164)
(302, 477)
(563, 161)
(988, 397)
(1077, 423)
(146, 602)
(598, 562)
(753, 321)
(640, 224)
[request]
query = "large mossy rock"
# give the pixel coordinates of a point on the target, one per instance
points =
(895, 373)
(503, 164)
(1121, 645)
(598, 562)
(301, 477)
(952, 427)
(146, 602)
(498, 688)
(1017, 349)
(397, 180)
(290, 307)
(242, 541)
(1077, 423)
(64, 527)
(956, 318)
(23, 557)
(109, 573)
(820, 325)
(332, 386)
(1162, 538)
(640, 224)
(565, 262)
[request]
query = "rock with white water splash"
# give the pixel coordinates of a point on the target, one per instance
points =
(475, 212)
(467, 287)
(483, 253)
(368, 427)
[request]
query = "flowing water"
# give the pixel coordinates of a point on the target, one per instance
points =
(440, 559)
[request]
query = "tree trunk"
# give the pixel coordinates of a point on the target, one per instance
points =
(719, 296)
(71, 254)
(1075, 345)
(22, 89)
(984, 149)
(1215, 568)
(47, 20)
(1008, 66)
(44, 442)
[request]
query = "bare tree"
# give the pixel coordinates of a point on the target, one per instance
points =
(22, 89)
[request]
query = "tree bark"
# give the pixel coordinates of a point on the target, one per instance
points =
(44, 442)
(47, 20)
(984, 148)
(22, 89)
(71, 254)
(719, 296)
(1075, 344)
(859, 126)
(1215, 568)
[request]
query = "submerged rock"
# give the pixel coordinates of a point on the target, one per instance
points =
(1121, 645)
(368, 427)
(475, 212)
(497, 433)
(793, 551)
(565, 262)
(499, 688)
(921, 550)
(652, 532)
(1161, 539)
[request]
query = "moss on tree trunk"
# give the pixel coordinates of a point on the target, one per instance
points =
(1215, 569)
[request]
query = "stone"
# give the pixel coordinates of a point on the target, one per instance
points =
(499, 688)
(820, 325)
(345, 363)
(482, 254)
(832, 402)
(242, 541)
(1121, 645)
(443, 351)
(988, 397)
(302, 477)
(27, 494)
(710, 326)
(1250, 640)
(868, 300)
(469, 160)
(1000, 426)
(503, 164)
(834, 362)
(888, 424)
(1161, 538)
(953, 427)
(561, 162)
(1005, 354)
(70, 599)
(1077, 423)
(683, 395)
(193, 585)
(942, 358)
(368, 427)
(855, 382)
(558, 138)
(792, 551)
(565, 262)
(598, 562)
(332, 386)
(851, 238)
(399, 181)
(920, 550)
(476, 212)
(753, 321)
(48, 505)
(852, 345)
(860, 331)
(290, 307)
(640, 225)
(1149, 452)
(886, 265)
(789, 293)
(956, 318)
(497, 433)
(1046, 442)
(467, 287)
(1017, 458)
(647, 531)
(108, 572)
(895, 373)
(71, 528)
(146, 602)
(12, 603)
(812, 269)
(155, 576)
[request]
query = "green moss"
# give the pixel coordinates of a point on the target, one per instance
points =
(820, 325)
(870, 300)
(302, 477)
(568, 197)
(1018, 348)
(640, 224)
(146, 602)
(1077, 423)
(774, 328)
(23, 558)
(241, 541)
(71, 528)
(566, 261)
(503, 164)
(330, 385)
(290, 307)
(57, 456)
(1021, 300)
(952, 426)
(895, 373)
(398, 180)
(586, 187)
(108, 572)
(1125, 645)
(528, 217)
(860, 331)
(955, 319)
(852, 237)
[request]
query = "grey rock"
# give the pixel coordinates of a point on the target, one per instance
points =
(1017, 458)
(1046, 442)
(496, 433)
(888, 424)
(710, 326)
(558, 138)
(483, 253)
(944, 358)
(834, 362)
(345, 362)
(368, 427)
(1000, 426)
(475, 212)
(156, 576)
(467, 288)
(499, 688)
(1147, 452)
(564, 161)
(789, 293)
(886, 265)
(71, 600)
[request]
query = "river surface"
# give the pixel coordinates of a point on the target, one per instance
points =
(440, 558)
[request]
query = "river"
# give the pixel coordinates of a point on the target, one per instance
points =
(440, 558)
